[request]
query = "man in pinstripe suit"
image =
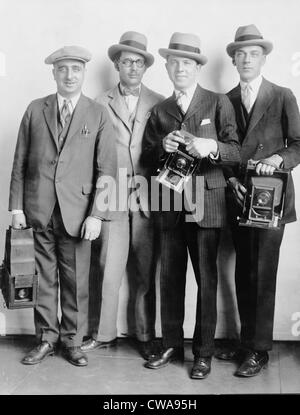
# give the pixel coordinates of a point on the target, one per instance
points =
(209, 117)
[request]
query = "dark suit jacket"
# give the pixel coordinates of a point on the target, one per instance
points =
(274, 128)
(205, 105)
(41, 175)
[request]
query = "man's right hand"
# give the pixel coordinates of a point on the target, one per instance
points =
(172, 141)
(238, 189)
(18, 221)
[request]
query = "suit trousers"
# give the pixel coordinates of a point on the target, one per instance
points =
(257, 256)
(63, 265)
(202, 244)
(125, 245)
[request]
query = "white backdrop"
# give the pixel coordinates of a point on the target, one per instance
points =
(32, 29)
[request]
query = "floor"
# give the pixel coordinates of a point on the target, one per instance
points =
(120, 371)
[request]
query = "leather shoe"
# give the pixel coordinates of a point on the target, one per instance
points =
(38, 354)
(230, 355)
(91, 344)
(252, 364)
(165, 357)
(148, 350)
(75, 356)
(201, 367)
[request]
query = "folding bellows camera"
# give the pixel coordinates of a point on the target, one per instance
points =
(265, 198)
(18, 276)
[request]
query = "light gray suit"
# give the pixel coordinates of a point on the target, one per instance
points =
(128, 240)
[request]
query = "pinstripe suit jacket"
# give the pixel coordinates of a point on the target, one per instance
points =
(166, 117)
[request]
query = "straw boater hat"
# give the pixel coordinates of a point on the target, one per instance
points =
(132, 42)
(69, 52)
(248, 36)
(186, 45)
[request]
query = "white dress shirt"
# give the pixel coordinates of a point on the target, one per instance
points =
(131, 100)
(253, 88)
(185, 99)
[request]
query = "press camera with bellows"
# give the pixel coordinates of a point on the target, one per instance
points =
(265, 198)
(18, 276)
(179, 166)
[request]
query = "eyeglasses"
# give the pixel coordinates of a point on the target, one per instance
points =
(129, 62)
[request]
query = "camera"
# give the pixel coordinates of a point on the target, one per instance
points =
(18, 276)
(178, 167)
(265, 198)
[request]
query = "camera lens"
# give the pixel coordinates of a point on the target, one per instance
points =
(181, 163)
(263, 198)
(22, 293)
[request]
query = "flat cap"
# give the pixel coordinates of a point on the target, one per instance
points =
(69, 52)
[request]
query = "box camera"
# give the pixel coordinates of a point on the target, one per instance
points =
(18, 277)
(178, 167)
(265, 198)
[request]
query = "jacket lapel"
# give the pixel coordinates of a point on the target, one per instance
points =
(172, 108)
(235, 98)
(50, 114)
(197, 104)
(118, 105)
(143, 106)
(263, 101)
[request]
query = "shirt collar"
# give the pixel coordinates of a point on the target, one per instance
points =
(74, 100)
(122, 87)
(254, 84)
(189, 92)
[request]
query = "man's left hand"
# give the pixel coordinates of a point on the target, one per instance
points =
(202, 147)
(267, 166)
(91, 228)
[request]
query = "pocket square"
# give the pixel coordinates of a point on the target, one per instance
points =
(205, 121)
(85, 131)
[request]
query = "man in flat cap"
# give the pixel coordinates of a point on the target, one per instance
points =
(127, 243)
(208, 118)
(65, 147)
(269, 132)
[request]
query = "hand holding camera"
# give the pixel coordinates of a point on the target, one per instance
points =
(267, 166)
(238, 189)
(202, 147)
(172, 140)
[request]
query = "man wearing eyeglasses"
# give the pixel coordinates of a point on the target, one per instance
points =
(127, 242)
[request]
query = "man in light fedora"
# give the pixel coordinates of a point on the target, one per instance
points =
(209, 118)
(65, 145)
(127, 243)
(269, 132)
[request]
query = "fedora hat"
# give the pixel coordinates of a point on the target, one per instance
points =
(132, 42)
(248, 36)
(186, 45)
(77, 53)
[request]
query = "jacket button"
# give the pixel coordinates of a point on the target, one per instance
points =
(183, 125)
(261, 146)
(53, 162)
(138, 200)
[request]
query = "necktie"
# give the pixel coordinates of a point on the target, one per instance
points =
(65, 113)
(180, 96)
(135, 92)
(246, 97)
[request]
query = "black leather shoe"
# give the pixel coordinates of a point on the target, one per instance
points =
(75, 356)
(231, 355)
(38, 354)
(91, 344)
(165, 357)
(201, 367)
(252, 364)
(148, 350)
